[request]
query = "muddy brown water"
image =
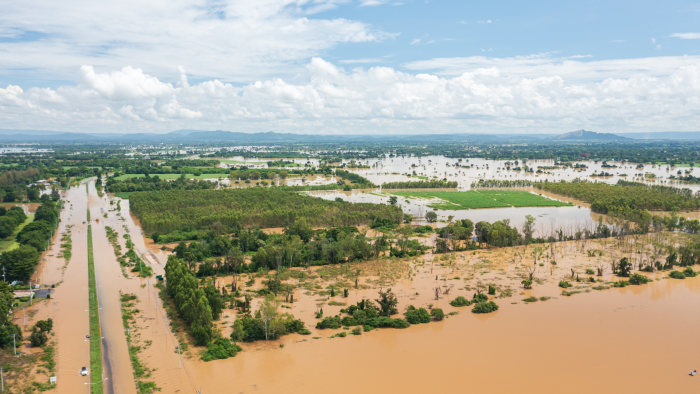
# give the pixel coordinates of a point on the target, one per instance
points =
(637, 338)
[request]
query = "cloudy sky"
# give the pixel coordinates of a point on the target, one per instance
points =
(350, 66)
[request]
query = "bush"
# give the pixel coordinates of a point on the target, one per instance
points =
(417, 316)
(481, 297)
(460, 301)
(638, 279)
(564, 284)
(329, 322)
(221, 348)
(304, 332)
(621, 283)
(367, 328)
(349, 321)
(437, 314)
(530, 299)
(676, 275)
(492, 290)
(689, 272)
(527, 284)
(590, 271)
(356, 331)
(485, 307)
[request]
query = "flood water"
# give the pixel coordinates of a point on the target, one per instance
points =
(637, 338)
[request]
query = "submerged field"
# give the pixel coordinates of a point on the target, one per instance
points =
(484, 199)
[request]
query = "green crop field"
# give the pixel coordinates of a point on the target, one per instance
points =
(172, 176)
(519, 198)
(483, 199)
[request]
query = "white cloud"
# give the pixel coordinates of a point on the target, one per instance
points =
(236, 40)
(653, 40)
(490, 95)
(686, 36)
(487, 21)
(570, 69)
(415, 41)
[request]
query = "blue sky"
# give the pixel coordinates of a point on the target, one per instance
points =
(349, 66)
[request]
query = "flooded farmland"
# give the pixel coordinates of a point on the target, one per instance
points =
(602, 334)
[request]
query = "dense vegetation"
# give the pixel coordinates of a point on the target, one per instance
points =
(152, 183)
(187, 210)
(605, 198)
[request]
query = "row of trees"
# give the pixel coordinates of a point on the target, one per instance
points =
(431, 184)
(498, 183)
(167, 211)
(197, 306)
(20, 263)
(154, 183)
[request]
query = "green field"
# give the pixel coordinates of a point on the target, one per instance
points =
(172, 176)
(9, 243)
(229, 161)
(124, 195)
(483, 199)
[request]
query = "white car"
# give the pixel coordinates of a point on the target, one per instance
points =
(84, 371)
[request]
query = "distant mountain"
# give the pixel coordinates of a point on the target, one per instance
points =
(590, 136)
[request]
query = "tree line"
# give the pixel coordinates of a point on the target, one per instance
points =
(431, 184)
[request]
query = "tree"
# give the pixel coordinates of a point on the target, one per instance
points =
(528, 228)
(268, 312)
(387, 303)
(20, 263)
(431, 217)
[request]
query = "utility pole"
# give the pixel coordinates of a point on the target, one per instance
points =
(14, 341)
(179, 359)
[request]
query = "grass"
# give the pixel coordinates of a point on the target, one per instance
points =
(141, 371)
(229, 161)
(95, 333)
(124, 195)
(172, 176)
(9, 243)
(483, 199)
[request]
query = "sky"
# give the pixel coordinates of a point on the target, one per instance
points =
(350, 66)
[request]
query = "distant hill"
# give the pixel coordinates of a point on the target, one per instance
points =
(590, 136)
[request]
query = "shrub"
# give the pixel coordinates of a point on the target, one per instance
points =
(676, 275)
(590, 271)
(485, 307)
(339, 335)
(527, 284)
(689, 272)
(417, 316)
(564, 284)
(530, 299)
(304, 331)
(638, 279)
(624, 268)
(329, 322)
(221, 348)
(481, 297)
(356, 331)
(387, 303)
(437, 314)
(359, 315)
(492, 290)
(367, 328)
(621, 283)
(348, 321)
(460, 301)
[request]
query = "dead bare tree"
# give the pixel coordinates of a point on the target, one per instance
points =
(447, 290)
(437, 292)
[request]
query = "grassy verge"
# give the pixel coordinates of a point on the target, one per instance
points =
(124, 195)
(173, 176)
(114, 240)
(141, 371)
(95, 335)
